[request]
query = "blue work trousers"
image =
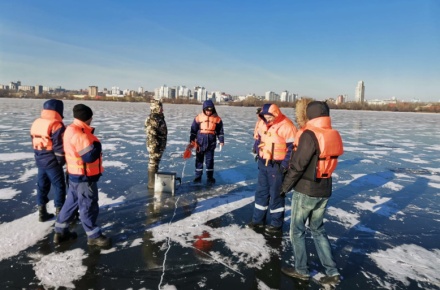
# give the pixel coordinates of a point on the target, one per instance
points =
(82, 195)
(208, 157)
(48, 177)
(267, 196)
(313, 208)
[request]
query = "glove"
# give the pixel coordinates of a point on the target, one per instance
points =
(255, 147)
(187, 152)
(282, 169)
(61, 160)
(97, 145)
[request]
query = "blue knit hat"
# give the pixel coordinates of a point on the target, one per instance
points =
(54, 105)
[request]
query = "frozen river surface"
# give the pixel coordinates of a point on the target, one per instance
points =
(383, 219)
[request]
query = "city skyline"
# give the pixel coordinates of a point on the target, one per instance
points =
(318, 49)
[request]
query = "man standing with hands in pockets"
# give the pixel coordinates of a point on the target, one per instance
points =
(309, 173)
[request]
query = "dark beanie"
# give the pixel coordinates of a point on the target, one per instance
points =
(317, 109)
(82, 112)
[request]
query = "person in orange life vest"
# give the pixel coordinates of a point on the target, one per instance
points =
(309, 173)
(47, 141)
(84, 166)
(275, 144)
(206, 128)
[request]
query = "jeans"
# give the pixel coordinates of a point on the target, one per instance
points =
(313, 208)
(53, 176)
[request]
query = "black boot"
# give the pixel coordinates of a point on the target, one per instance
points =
(151, 178)
(210, 178)
(64, 237)
(43, 215)
(101, 241)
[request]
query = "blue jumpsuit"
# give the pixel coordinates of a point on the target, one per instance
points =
(206, 143)
(83, 189)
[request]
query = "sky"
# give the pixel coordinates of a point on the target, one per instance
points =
(319, 48)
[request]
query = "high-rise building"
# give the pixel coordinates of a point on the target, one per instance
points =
(38, 90)
(200, 94)
(360, 92)
(93, 91)
(116, 91)
(172, 93)
(268, 96)
(284, 97)
(162, 93)
(271, 96)
(340, 100)
(14, 86)
(183, 91)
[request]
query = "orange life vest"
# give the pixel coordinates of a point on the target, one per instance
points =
(329, 142)
(207, 123)
(272, 145)
(78, 138)
(258, 125)
(42, 128)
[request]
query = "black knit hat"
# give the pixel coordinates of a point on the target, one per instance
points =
(317, 109)
(82, 112)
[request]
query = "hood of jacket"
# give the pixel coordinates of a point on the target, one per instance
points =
(301, 112)
(273, 110)
(209, 103)
(155, 106)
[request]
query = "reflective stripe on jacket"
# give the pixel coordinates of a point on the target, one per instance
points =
(207, 123)
(78, 140)
(330, 146)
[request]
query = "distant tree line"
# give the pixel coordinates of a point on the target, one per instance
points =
(395, 107)
(248, 102)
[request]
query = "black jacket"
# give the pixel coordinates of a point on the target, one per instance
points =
(301, 168)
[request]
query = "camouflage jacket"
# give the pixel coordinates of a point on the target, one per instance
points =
(156, 130)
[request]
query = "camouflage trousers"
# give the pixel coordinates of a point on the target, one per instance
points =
(153, 162)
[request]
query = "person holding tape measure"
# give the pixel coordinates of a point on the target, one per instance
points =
(274, 145)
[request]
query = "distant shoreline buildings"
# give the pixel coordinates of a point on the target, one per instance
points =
(198, 93)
